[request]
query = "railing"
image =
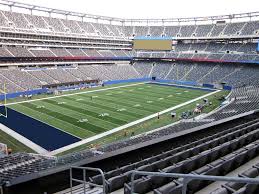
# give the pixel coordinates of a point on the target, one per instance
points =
(84, 178)
(189, 177)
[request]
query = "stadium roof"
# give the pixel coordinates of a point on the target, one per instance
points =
(66, 13)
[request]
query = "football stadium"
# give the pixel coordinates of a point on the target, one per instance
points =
(93, 104)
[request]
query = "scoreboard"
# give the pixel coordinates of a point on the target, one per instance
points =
(152, 43)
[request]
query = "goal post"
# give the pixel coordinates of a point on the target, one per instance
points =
(3, 101)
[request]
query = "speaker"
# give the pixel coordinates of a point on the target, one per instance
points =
(153, 78)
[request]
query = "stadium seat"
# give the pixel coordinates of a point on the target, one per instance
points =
(220, 191)
(116, 182)
(170, 188)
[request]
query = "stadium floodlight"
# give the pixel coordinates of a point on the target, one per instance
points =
(3, 102)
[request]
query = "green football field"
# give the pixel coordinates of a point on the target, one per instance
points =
(87, 114)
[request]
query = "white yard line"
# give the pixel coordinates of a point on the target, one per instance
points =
(90, 139)
(23, 140)
(104, 89)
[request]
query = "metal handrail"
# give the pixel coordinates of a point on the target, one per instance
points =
(84, 178)
(189, 177)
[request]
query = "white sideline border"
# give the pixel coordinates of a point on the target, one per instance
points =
(93, 138)
(23, 140)
(31, 144)
(41, 150)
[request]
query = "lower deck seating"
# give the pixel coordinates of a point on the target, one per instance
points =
(214, 155)
(241, 188)
(28, 79)
(217, 161)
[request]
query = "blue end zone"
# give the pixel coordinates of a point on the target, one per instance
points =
(2, 110)
(40, 133)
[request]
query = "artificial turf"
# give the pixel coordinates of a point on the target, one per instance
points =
(87, 114)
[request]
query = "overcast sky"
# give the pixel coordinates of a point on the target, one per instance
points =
(151, 8)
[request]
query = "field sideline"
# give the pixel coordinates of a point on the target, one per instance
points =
(112, 131)
(89, 113)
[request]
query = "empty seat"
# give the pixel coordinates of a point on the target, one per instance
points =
(160, 164)
(127, 168)
(217, 162)
(141, 185)
(147, 167)
(220, 191)
(250, 189)
(158, 181)
(202, 170)
(234, 186)
(170, 188)
(96, 179)
(251, 173)
(116, 182)
(177, 168)
(113, 173)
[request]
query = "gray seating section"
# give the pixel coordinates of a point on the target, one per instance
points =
(20, 164)
(21, 78)
(143, 68)
(51, 25)
(20, 52)
(160, 70)
(42, 53)
(215, 152)
(233, 75)
(231, 187)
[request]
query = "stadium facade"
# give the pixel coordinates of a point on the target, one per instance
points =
(221, 52)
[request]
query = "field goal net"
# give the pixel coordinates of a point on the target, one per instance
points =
(3, 101)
